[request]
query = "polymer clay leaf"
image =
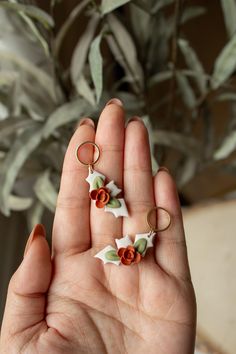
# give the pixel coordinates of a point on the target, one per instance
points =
(148, 237)
(112, 255)
(92, 176)
(114, 203)
(102, 255)
(98, 182)
(141, 245)
(121, 211)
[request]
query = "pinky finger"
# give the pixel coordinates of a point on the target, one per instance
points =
(171, 251)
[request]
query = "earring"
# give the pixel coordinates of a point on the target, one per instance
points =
(128, 252)
(104, 195)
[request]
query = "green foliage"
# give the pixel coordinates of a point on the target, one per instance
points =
(136, 50)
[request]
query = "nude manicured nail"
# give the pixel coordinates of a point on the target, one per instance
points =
(134, 119)
(115, 101)
(37, 231)
(86, 121)
(163, 168)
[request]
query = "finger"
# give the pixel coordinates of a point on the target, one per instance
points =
(171, 252)
(110, 138)
(71, 233)
(26, 299)
(138, 184)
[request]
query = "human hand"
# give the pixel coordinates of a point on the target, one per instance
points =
(72, 302)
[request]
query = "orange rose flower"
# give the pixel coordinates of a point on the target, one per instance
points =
(101, 195)
(129, 255)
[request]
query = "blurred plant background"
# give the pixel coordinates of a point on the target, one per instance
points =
(58, 65)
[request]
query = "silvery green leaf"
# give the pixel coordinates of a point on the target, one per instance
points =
(194, 63)
(36, 32)
(32, 11)
(84, 90)
(67, 24)
(21, 149)
(143, 30)
(160, 77)
(227, 146)
(143, 5)
(65, 114)
(160, 4)
(148, 124)
(126, 58)
(38, 75)
(35, 214)
(225, 64)
(3, 112)
(186, 91)
(45, 191)
(19, 203)
(95, 62)
(187, 171)
(191, 12)
(187, 145)
(229, 11)
(110, 5)
(8, 77)
(80, 53)
(12, 125)
(225, 96)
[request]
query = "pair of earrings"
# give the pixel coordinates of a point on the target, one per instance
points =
(106, 196)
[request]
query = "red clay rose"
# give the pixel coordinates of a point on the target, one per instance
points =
(101, 195)
(129, 255)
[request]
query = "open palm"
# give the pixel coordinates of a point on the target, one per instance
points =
(73, 303)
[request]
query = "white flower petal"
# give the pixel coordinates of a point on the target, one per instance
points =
(113, 188)
(123, 242)
(101, 255)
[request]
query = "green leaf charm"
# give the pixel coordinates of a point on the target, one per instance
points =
(114, 203)
(141, 245)
(112, 256)
(98, 182)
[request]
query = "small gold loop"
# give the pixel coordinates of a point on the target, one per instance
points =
(153, 228)
(93, 162)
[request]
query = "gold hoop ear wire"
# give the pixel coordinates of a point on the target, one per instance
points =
(88, 143)
(153, 228)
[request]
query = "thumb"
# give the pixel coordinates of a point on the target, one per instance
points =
(26, 298)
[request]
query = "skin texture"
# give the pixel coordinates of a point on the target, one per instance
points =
(70, 302)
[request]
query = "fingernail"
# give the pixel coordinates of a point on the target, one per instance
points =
(115, 101)
(163, 168)
(86, 121)
(38, 230)
(134, 119)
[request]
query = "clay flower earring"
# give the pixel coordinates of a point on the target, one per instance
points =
(105, 195)
(128, 252)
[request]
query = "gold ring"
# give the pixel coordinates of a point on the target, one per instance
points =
(150, 224)
(88, 143)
